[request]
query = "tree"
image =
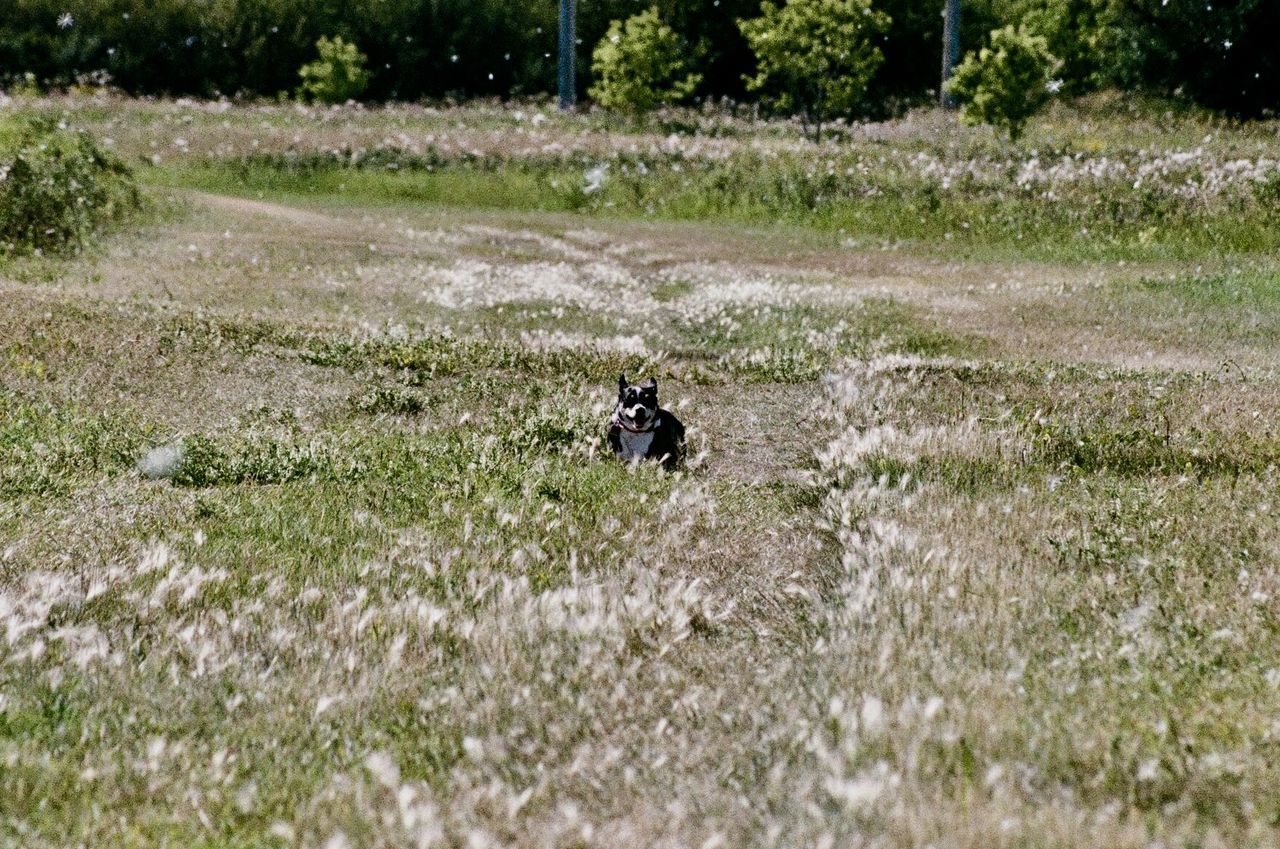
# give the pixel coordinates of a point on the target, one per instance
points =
(337, 76)
(641, 64)
(815, 57)
(1217, 54)
(1006, 82)
(1074, 31)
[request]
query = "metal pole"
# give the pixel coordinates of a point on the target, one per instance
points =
(950, 49)
(568, 45)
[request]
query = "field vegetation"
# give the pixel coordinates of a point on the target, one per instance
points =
(308, 536)
(1103, 179)
(1196, 52)
(57, 186)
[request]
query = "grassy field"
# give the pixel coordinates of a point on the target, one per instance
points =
(977, 545)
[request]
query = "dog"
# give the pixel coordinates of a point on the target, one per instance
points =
(641, 430)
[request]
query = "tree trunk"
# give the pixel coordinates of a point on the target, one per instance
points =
(568, 53)
(950, 50)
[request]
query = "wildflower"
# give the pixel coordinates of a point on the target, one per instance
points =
(326, 702)
(338, 840)
(383, 767)
(863, 789)
(595, 179)
(66, 21)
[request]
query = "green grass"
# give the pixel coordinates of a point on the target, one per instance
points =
(982, 223)
(351, 187)
(878, 186)
(954, 561)
(1236, 300)
(753, 345)
(46, 450)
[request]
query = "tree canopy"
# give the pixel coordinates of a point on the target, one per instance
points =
(1215, 55)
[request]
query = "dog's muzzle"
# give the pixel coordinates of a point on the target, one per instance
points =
(637, 419)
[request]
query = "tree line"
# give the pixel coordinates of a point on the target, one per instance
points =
(1209, 52)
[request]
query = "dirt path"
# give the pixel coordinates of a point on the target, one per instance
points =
(266, 209)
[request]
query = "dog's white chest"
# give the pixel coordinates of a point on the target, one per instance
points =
(635, 446)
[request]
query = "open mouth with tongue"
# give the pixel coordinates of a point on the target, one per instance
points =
(636, 419)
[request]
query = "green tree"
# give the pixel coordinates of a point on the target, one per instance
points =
(1075, 31)
(1221, 55)
(641, 64)
(337, 76)
(815, 57)
(1006, 82)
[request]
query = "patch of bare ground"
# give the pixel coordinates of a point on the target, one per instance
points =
(1030, 310)
(754, 434)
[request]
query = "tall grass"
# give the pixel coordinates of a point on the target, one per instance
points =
(1065, 208)
(57, 186)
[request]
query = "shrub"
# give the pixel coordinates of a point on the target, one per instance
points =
(389, 400)
(1006, 82)
(815, 57)
(641, 64)
(56, 187)
(337, 76)
(254, 458)
(1075, 31)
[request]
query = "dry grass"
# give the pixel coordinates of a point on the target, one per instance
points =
(968, 554)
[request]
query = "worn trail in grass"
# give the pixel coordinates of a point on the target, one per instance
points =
(968, 554)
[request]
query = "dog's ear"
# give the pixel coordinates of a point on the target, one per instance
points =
(622, 382)
(651, 383)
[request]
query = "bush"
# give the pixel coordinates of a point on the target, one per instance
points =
(255, 458)
(56, 187)
(642, 64)
(815, 57)
(1005, 83)
(337, 76)
(1075, 31)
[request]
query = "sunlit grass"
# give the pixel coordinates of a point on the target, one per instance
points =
(912, 218)
(309, 536)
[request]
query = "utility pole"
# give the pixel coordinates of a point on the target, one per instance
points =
(950, 49)
(568, 47)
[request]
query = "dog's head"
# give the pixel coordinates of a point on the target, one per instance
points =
(637, 403)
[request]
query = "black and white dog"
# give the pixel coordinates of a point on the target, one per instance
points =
(641, 430)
